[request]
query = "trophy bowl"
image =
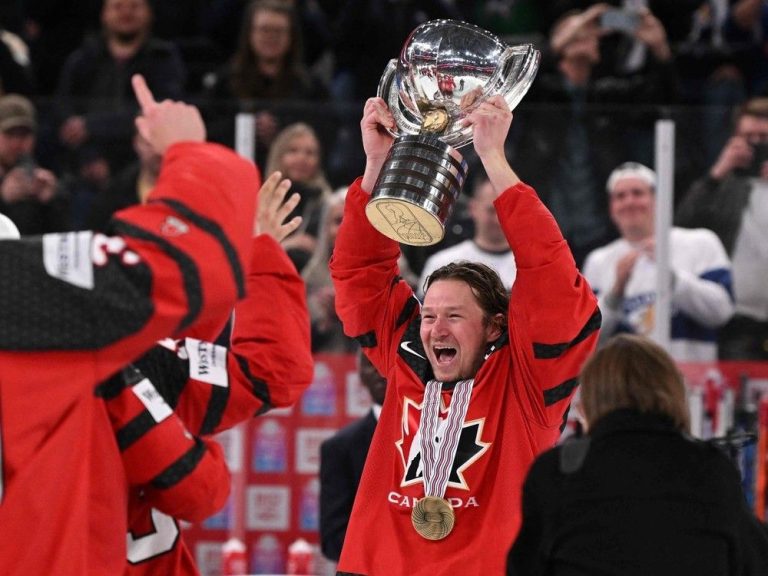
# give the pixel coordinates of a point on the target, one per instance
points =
(446, 69)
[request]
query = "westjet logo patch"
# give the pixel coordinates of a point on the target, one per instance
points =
(207, 362)
(470, 448)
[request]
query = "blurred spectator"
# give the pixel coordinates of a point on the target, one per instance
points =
(732, 200)
(623, 273)
(183, 24)
(129, 186)
(267, 70)
(94, 97)
(296, 153)
(747, 24)
(675, 16)
(488, 244)
(342, 458)
(89, 181)
(637, 496)
(29, 194)
(585, 74)
(223, 20)
(16, 75)
(714, 67)
(327, 331)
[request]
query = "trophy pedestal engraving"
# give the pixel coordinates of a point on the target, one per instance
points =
(417, 190)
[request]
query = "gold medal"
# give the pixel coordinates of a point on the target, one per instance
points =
(433, 518)
(435, 120)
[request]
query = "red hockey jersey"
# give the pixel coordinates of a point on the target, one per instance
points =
(269, 364)
(76, 308)
(520, 396)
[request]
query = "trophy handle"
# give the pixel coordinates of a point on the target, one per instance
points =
(389, 90)
(513, 79)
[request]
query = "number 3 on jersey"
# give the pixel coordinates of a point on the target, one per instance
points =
(161, 539)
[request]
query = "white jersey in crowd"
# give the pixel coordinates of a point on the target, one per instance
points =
(701, 296)
(502, 262)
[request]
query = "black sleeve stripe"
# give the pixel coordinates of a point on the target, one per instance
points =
(134, 430)
(212, 228)
(258, 386)
(189, 272)
(367, 340)
(115, 384)
(111, 388)
(180, 469)
(168, 373)
(550, 351)
(217, 403)
(407, 311)
(563, 390)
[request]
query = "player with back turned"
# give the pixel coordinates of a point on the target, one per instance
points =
(77, 307)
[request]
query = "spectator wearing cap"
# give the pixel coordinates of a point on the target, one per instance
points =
(29, 194)
(623, 273)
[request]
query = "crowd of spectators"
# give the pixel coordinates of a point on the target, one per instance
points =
(304, 68)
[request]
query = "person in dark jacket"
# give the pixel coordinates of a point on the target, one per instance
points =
(95, 105)
(731, 201)
(342, 458)
(637, 495)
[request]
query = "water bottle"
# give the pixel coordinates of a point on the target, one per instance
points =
(301, 558)
(233, 558)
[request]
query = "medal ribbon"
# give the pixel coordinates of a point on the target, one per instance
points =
(437, 454)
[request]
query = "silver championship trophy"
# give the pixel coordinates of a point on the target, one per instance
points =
(446, 69)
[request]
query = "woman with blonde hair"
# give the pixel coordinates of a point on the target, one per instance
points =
(296, 153)
(327, 332)
(637, 495)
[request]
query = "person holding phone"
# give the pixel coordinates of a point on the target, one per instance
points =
(30, 195)
(732, 200)
(571, 152)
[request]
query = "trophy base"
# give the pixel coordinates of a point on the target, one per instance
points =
(417, 189)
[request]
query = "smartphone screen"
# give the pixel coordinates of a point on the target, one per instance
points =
(620, 20)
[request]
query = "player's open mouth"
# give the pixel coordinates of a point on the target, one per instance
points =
(444, 355)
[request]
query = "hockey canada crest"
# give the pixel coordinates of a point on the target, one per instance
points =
(469, 450)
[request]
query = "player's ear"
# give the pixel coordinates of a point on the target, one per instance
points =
(494, 327)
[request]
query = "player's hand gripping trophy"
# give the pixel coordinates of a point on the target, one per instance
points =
(446, 69)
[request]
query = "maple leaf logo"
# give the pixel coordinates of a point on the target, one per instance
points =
(469, 450)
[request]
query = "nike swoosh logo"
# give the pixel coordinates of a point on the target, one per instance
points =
(407, 347)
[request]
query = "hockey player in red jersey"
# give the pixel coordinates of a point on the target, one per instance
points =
(478, 382)
(269, 364)
(75, 308)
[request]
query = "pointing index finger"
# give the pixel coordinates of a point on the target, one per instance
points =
(143, 93)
